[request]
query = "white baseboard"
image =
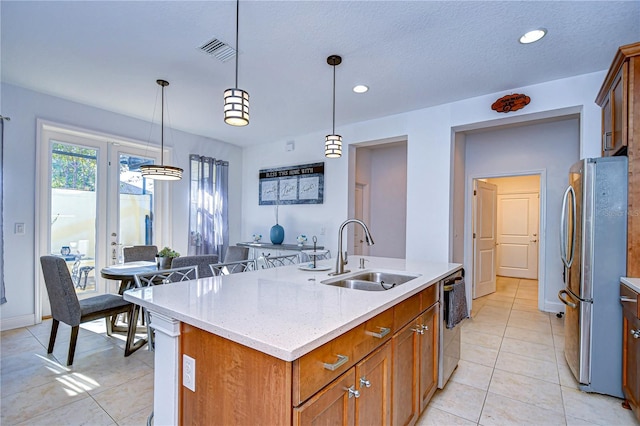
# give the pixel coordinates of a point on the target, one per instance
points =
(17, 322)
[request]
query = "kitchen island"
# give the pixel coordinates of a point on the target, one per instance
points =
(251, 334)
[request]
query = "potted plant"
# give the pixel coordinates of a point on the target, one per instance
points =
(165, 257)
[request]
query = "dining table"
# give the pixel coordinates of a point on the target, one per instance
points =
(125, 273)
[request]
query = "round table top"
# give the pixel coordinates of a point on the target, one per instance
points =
(127, 270)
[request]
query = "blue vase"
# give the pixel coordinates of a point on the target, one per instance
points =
(277, 234)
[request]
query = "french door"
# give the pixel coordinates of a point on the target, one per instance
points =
(92, 202)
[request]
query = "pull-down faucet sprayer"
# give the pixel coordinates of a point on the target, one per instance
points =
(342, 260)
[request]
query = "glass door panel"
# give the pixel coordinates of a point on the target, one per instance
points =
(135, 202)
(73, 201)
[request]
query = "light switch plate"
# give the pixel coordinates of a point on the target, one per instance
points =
(19, 229)
(189, 372)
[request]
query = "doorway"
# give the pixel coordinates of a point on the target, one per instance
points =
(506, 223)
(544, 147)
(91, 201)
(378, 197)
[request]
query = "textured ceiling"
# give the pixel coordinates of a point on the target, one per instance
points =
(412, 54)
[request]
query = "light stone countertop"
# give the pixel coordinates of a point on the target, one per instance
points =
(285, 312)
(633, 283)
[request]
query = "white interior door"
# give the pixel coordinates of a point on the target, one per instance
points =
(518, 218)
(484, 238)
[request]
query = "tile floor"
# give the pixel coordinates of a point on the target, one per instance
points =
(101, 388)
(512, 372)
(512, 369)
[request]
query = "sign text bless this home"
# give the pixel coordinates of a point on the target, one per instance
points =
(292, 172)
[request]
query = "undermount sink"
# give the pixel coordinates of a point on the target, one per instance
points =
(371, 281)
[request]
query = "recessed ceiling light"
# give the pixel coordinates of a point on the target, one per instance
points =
(360, 88)
(533, 36)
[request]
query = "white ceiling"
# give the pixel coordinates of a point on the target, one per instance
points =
(412, 54)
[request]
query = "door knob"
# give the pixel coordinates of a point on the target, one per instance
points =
(635, 334)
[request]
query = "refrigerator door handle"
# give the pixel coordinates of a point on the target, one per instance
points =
(565, 301)
(567, 261)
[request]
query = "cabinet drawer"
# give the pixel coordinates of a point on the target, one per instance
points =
(429, 296)
(319, 367)
(406, 311)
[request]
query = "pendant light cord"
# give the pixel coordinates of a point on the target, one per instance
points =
(237, 47)
(334, 101)
(162, 130)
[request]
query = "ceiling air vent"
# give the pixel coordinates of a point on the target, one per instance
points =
(218, 49)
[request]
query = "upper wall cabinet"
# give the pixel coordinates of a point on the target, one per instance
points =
(619, 92)
(619, 99)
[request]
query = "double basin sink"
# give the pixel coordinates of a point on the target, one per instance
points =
(371, 281)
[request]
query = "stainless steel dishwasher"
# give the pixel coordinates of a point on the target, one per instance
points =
(449, 353)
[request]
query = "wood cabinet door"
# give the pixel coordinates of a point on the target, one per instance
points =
(373, 381)
(428, 355)
(631, 360)
(406, 363)
(333, 405)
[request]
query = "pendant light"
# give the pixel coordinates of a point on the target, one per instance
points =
(333, 142)
(236, 101)
(161, 172)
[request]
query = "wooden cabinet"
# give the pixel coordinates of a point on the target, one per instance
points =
(428, 356)
(361, 396)
(619, 98)
(333, 405)
(415, 366)
(631, 348)
(614, 115)
(381, 372)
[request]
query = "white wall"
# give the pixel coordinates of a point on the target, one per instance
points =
(552, 147)
(429, 158)
(388, 201)
(25, 107)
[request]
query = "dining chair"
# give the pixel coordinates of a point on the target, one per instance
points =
(233, 267)
(66, 307)
(163, 276)
(285, 260)
(138, 253)
(202, 261)
(235, 253)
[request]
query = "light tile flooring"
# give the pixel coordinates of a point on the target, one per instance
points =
(512, 372)
(512, 369)
(102, 387)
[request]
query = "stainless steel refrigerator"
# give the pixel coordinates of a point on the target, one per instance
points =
(593, 240)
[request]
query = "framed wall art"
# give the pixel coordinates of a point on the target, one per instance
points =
(302, 184)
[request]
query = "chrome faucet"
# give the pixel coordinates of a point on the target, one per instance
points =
(342, 260)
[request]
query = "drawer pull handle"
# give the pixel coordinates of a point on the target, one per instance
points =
(628, 299)
(418, 330)
(635, 334)
(383, 332)
(425, 327)
(364, 382)
(342, 359)
(353, 393)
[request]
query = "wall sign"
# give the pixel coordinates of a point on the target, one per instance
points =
(303, 184)
(511, 103)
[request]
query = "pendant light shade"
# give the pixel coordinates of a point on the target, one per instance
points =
(333, 142)
(161, 172)
(236, 101)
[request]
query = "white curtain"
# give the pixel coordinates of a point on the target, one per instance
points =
(209, 226)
